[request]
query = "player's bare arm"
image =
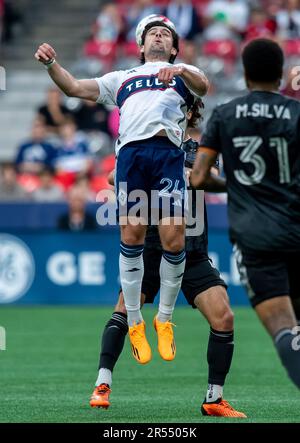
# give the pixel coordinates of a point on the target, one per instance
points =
(202, 176)
(196, 81)
(85, 89)
(111, 178)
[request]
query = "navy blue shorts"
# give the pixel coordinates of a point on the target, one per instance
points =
(150, 180)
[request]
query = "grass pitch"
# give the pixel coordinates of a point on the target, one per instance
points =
(49, 368)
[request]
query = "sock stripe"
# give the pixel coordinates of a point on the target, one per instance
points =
(281, 334)
(221, 333)
(119, 319)
(174, 258)
(131, 251)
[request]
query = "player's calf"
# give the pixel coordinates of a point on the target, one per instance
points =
(278, 317)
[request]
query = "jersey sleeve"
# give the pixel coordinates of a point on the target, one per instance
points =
(211, 136)
(193, 69)
(108, 87)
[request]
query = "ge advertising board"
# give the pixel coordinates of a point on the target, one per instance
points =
(47, 267)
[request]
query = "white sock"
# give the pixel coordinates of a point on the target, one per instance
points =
(131, 274)
(214, 392)
(104, 376)
(171, 273)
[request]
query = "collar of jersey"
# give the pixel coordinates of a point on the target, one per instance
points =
(156, 63)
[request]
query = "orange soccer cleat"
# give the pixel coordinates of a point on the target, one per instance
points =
(100, 396)
(221, 408)
(141, 350)
(165, 337)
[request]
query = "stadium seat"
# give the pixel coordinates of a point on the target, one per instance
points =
(29, 182)
(226, 49)
(130, 49)
(104, 50)
(99, 182)
(108, 164)
(292, 47)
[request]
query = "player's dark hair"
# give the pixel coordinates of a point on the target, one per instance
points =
(196, 110)
(263, 61)
(174, 35)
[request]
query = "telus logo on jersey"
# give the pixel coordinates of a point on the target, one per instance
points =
(17, 268)
(151, 82)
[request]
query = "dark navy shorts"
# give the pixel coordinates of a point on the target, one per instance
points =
(150, 180)
(199, 275)
(268, 274)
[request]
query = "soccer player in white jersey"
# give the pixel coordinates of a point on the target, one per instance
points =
(152, 99)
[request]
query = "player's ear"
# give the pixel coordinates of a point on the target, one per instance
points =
(142, 49)
(173, 51)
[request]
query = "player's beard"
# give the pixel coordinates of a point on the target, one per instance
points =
(157, 53)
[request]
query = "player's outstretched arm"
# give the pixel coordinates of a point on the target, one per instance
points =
(86, 89)
(202, 176)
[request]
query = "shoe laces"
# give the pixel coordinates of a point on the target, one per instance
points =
(137, 333)
(166, 328)
(103, 389)
(226, 405)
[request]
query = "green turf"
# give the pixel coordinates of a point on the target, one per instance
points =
(50, 365)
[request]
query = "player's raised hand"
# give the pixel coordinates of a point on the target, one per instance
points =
(166, 75)
(45, 53)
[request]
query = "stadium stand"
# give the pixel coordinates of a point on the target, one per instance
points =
(95, 37)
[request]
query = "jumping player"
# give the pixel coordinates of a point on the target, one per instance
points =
(259, 138)
(203, 288)
(153, 99)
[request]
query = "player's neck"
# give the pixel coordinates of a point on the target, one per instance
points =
(154, 59)
(267, 87)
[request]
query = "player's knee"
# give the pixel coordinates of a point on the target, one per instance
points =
(132, 238)
(174, 245)
(224, 321)
(133, 235)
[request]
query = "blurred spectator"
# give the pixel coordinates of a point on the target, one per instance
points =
(136, 11)
(10, 190)
(1, 18)
(91, 116)
(35, 153)
(77, 219)
(48, 191)
(260, 25)
(288, 20)
(54, 111)
(226, 19)
(83, 182)
(73, 155)
(109, 24)
(11, 17)
(188, 52)
(183, 14)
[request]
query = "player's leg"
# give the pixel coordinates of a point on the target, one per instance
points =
(112, 344)
(266, 278)
(129, 178)
(278, 317)
(116, 328)
(171, 187)
(205, 290)
(293, 273)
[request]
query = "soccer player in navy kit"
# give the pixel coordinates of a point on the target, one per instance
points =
(203, 289)
(259, 138)
(153, 99)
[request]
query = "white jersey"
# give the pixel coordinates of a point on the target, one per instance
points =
(146, 105)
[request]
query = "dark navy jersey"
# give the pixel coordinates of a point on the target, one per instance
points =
(192, 242)
(259, 138)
